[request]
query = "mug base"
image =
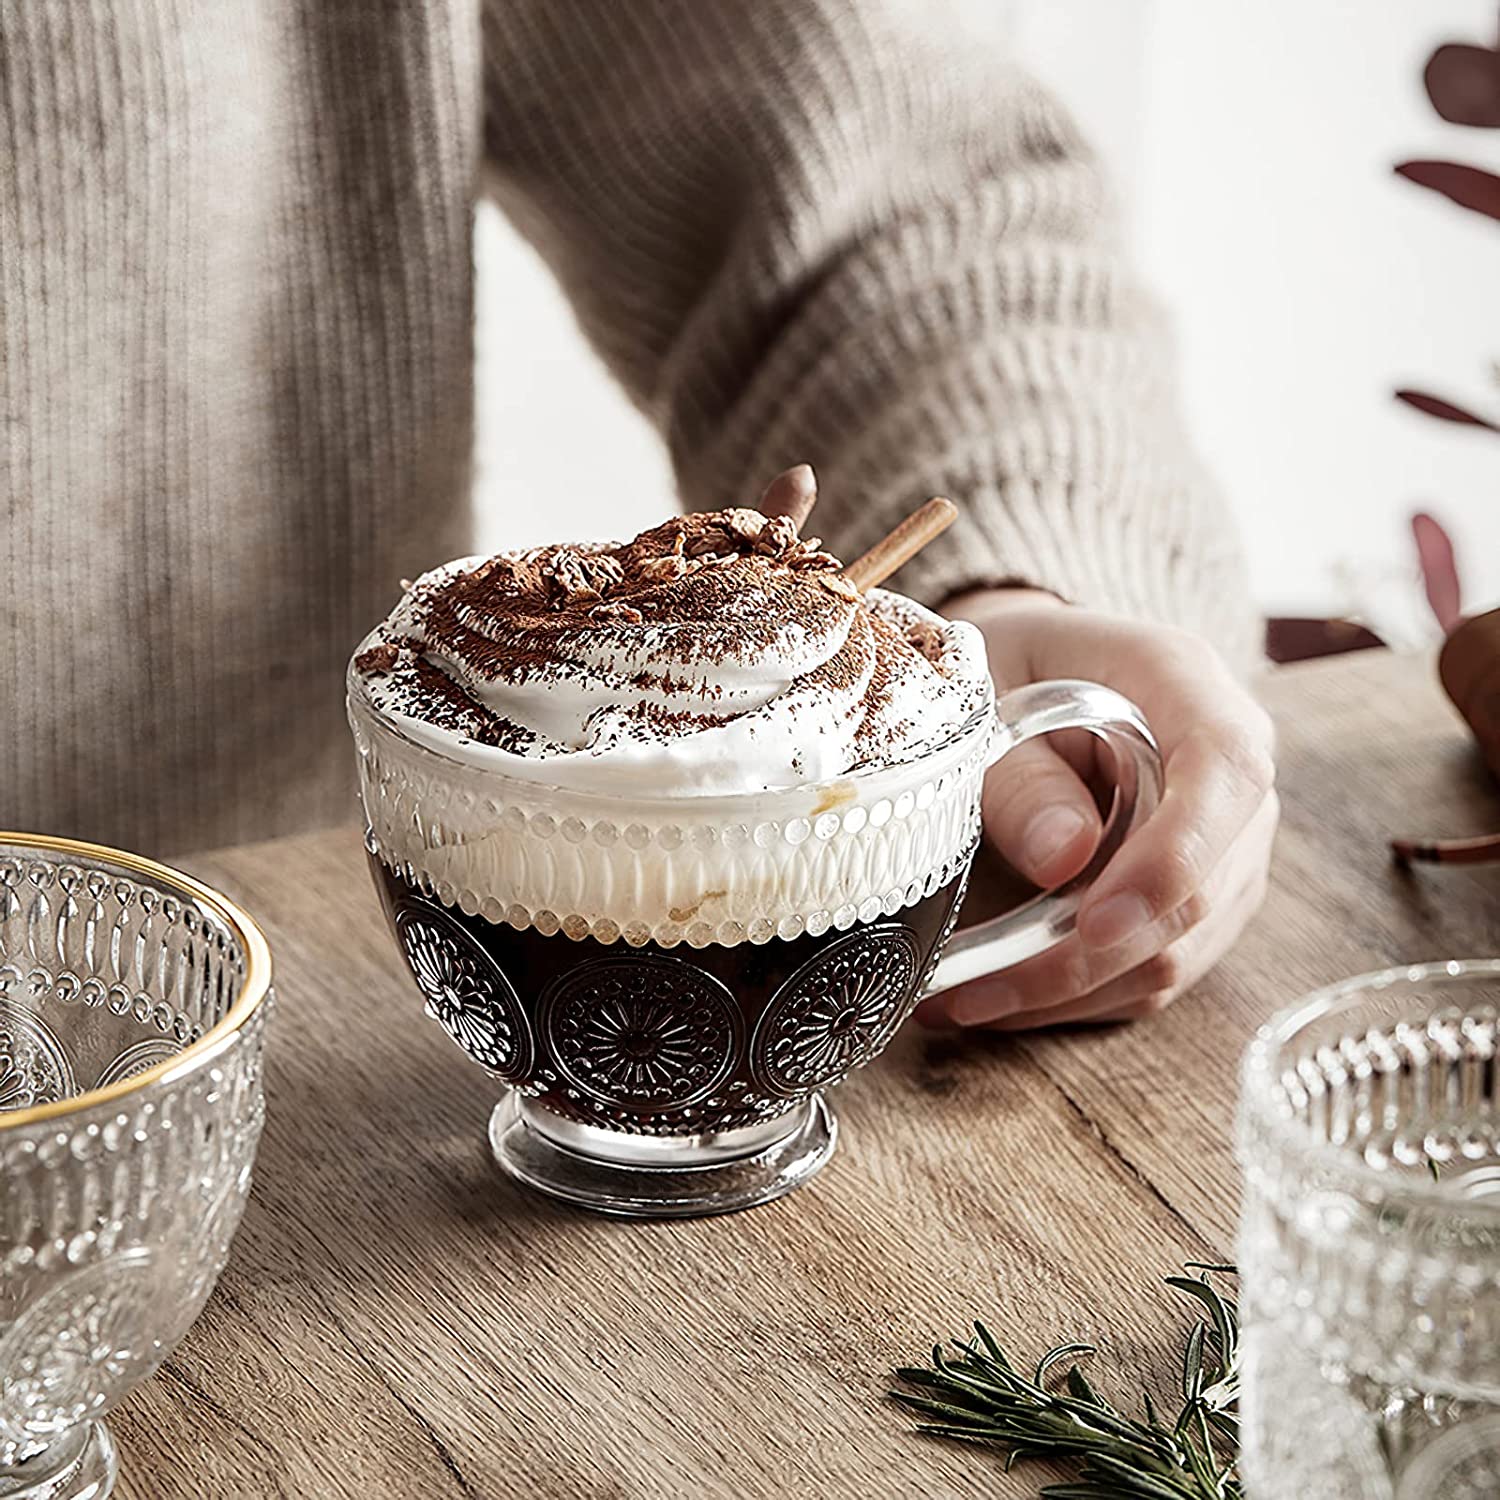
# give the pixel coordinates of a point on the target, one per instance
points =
(79, 1465)
(661, 1177)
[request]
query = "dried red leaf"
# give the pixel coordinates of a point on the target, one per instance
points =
(1463, 83)
(1445, 411)
(1303, 638)
(1469, 187)
(1439, 570)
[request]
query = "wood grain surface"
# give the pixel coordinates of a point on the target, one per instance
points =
(399, 1320)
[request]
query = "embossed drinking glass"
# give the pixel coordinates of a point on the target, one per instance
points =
(1370, 1243)
(669, 985)
(133, 1004)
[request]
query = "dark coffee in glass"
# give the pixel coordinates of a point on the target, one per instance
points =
(667, 1041)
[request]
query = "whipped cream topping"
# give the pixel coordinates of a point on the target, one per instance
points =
(716, 653)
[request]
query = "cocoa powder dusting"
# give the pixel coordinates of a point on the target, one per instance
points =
(695, 590)
(377, 660)
(517, 615)
(927, 638)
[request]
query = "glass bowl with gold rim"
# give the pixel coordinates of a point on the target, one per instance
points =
(133, 1008)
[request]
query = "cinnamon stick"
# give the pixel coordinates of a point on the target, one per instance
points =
(792, 494)
(908, 539)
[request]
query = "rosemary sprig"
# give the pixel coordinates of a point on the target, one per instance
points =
(975, 1392)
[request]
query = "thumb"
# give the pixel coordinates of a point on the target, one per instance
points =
(1039, 814)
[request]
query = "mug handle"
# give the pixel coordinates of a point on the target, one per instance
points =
(1045, 920)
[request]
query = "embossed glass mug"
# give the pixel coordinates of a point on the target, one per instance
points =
(133, 1005)
(668, 986)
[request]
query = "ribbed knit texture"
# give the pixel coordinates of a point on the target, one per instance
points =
(235, 342)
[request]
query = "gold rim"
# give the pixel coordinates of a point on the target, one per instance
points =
(256, 986)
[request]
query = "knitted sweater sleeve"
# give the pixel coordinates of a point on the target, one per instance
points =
(850, 232)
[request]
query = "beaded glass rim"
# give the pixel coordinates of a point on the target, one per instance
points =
(1263, 1099)
(253, 991)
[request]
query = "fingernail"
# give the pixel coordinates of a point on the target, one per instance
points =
(988, 1004)
(1115, 921)
(1049, 833)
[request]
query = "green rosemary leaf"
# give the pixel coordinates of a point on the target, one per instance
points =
(1192, 1366)
(1097, 1418)
(1079, 1387)
(1226, 1426)
(1200, 1460)
(1052, 1356)
(1226, 1327)
(937, 1408)
(1140, 1483)
(962, 1374)
(981, 1367)
(943, 1390)
(958, 1379)
(993, 1349)
(1223, 1268)
(1109, 1487)
(975, 1394)
(918, 1376)
(1205, 1432)
(940, 1429)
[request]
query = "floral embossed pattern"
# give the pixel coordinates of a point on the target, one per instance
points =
(465, 990)
(1463, 1464)
(646, 1033)
(80, 1348)
(135, 1060)
(837, 1011)
(33, 1067)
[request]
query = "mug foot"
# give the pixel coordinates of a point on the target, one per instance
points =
(661, 1177)
(79, 1465)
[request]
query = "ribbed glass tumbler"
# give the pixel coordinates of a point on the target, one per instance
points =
(133, 1005)
(1370, 1243)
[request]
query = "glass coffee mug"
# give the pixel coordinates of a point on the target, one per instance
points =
(668, 986)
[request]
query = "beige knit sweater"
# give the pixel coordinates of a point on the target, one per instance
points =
(235, 343)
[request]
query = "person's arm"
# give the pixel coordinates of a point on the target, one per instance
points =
(848, 232)
(853, 234)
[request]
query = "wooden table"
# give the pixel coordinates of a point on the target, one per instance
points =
(399, 1320)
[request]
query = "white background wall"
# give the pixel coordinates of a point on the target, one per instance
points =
(1252, 147)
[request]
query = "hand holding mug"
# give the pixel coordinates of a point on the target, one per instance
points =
(1181, 889)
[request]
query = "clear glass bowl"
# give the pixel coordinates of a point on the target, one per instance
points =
(1369, 1139)
(133, 1006)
